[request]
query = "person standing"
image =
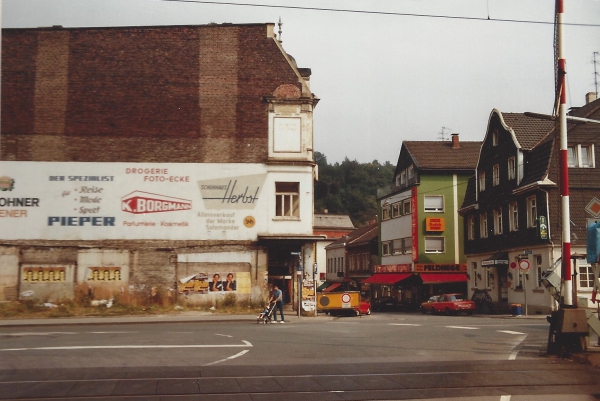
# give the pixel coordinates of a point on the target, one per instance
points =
(277, 298)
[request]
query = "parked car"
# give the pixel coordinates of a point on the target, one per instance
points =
(427, 305)
(386, 304)
(452, 304)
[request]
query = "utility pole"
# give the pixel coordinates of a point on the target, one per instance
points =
(595, 74)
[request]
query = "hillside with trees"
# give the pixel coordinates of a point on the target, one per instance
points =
(350, 187)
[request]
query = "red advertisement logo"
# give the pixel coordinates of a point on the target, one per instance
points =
(144, 202)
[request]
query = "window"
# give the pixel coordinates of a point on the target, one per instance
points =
(407, 245)
(397, 246)
(471, 227)
(512, 168)
(572, 160)
(287, 199)
(403, 177)
(531, 212)
(352, 262)
(580, 156)
(495, 138)
(474, 272)
(434, 203)
(407, 207)
(483, 227)
(411, 171)
(434, 244)
(396, 209)
(586, 277)
(487, 278)
(539, 271)
(385, 213)
(481, 181)
(385, 248)
(398, 181)
(498, 221)
(513, 216)
(496, 175)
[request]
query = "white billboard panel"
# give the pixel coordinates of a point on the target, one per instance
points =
(96, 201)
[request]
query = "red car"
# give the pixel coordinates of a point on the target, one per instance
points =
(451, 304)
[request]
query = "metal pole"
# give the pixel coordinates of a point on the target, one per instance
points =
(564, 169)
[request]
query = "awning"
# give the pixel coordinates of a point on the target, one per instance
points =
(386, 278)
(332, 287)
(437, 278)
(497, 259)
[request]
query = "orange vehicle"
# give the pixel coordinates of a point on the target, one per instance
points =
(343, 303)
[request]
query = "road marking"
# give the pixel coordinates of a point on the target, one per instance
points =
(513, 355)
(463, 327)
(49, 333)
(224, 335)
(246, 344)
(405, 324)
(112, 332)
(511, 332)
(228, 358)
(505, 398)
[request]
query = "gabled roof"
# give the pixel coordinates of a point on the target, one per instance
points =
(363, 235)
(332, 221)
(527, 131)
(440, 155)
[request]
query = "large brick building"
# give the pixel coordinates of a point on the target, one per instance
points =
(141, 157)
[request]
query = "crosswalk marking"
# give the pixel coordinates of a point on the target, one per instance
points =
(462, 327)
(511, 332)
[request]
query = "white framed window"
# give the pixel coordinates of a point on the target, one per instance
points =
(474, 272)
(385, 248)
(495, 138)
(586, 277)
(407, 245)
(498, 221)
(398, 181)
(397, 246)
(513, 216)
(512, 168)
(488, 273)
(531, 212)
(287, 199)
(539, 270)
(481, 176)
(496, 175)
(433, 203)
(411, 171)
(471, 227)
(403, 177)
(407, 206)
(385, 213)
(434, 245)
(396, 209)
(581, 156)
(483, 226)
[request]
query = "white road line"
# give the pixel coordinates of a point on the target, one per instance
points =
(505, 398)
(246, 344)
(49, 333)
(463, 327)
(228, 358)
(513, 355)
(405, 324)
(112, 332)
(511, 332)
(224, 335)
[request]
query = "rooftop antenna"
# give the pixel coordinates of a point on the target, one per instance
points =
(280, 25)
(443, 133)
(596, 73)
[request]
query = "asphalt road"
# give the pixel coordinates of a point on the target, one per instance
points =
(384, 356)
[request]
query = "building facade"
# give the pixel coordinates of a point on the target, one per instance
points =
(420, 229)
(143, 159)
(512, 210)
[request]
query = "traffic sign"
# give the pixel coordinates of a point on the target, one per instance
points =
(524, 264)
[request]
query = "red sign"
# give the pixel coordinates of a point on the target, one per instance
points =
(144, 202)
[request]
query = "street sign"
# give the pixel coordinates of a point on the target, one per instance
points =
(524, 264)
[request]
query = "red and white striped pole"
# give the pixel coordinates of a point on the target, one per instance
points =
(564, 156)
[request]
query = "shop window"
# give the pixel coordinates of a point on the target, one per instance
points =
(287, 199)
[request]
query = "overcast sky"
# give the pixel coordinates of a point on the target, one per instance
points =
(387, 77)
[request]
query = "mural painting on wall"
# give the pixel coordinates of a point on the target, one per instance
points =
(104, 274)
(201, 283)
(44, 274)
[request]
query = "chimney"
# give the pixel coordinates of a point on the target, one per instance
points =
(455, 142)
(590, 97)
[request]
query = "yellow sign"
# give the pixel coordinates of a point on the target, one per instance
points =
(435, 224)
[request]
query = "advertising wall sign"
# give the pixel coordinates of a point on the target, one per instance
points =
(97, 201)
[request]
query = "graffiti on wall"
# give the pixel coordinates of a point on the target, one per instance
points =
(44, 274)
